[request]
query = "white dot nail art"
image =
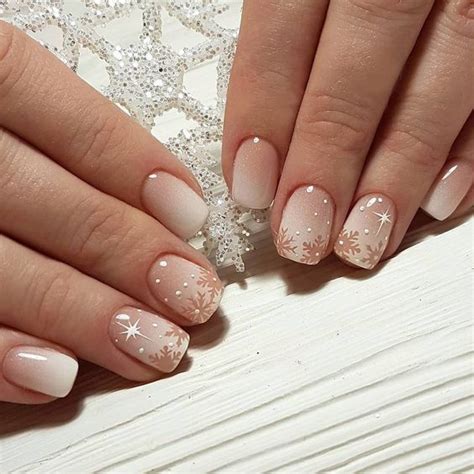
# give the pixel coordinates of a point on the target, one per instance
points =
(310, 189)
(179, 293)
(256, 140)
(163, 263)
(157, 281)
(141, 350)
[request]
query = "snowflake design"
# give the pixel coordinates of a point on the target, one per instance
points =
(177, 333)
(284, 243)
(146, 76)
(166, 359)
(373, 254)
(209, 281)
(198, 308)
(347, 243)
(313, 250)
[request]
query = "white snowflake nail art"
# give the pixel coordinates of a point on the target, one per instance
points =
(149, 338)
(366, 231)
(305, 227)
(192, 291)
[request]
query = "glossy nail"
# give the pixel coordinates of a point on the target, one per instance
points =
(174, 204)
(189, 289)
(448, 190)
(40, 369)
(306, 224)
(366, 231)
(255, 175)
(151, 339)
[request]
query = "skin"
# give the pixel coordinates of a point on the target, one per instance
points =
(76, 243)
(75, 237)
(356, 96)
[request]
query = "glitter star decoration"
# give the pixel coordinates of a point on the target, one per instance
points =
(147, 77)
(132, 330)
(383, 218)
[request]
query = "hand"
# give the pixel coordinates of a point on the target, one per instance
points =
(351, 114)
(90, 265)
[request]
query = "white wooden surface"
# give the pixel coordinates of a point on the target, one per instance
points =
(305, 370)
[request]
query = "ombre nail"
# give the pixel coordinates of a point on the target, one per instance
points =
(40, 369)
(366, 231)
(305, 228)
(174, 204)
(255, 174)
(190, 290)
(448, 190)
(149, 338)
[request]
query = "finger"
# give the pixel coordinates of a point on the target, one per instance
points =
(467, 204)
(431, 105)
(277, 41)
(52, 108)
(362, 49)
(32, 370)
(51, 210)
(454, 181)
(51, 300)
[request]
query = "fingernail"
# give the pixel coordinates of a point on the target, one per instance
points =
(174, 204)
(306, 224)
(366, 231)
(40, 369)
(255, 176)
(189, 289)
(149, 338)
(448, 190)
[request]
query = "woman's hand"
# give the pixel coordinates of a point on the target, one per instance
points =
(90, 265)
(351, 114)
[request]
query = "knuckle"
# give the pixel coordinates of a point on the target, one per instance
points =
(6, 39)
(12, 46)
(105, 132)
(49, 295)
(413, 145)
(99, 232)
(389, 8)
(334, 122)
(459, 16)
(11, 172)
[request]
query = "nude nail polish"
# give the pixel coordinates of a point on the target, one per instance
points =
(171, 201)
(305, 228)
(366, 232)
(40, 369)
(149, 338)
(192, 291)
(255, 174)
(448, 190)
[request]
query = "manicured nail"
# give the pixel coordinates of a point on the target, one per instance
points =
(448, 190)
(174, 204)
(192, 291)
(366, 231)
(149, 338)
(40, 369)
(256, 171)
(306, 225)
